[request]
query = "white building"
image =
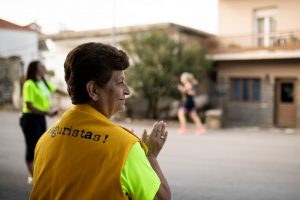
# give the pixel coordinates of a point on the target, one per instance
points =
(20, 41)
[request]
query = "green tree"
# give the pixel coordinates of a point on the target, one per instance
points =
(157, 61)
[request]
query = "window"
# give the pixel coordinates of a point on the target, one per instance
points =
(245, 90)
(287, 92)
(265, 27)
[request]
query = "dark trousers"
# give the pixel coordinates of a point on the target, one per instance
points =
(33, 127)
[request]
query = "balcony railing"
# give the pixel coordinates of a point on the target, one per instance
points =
(270, 41)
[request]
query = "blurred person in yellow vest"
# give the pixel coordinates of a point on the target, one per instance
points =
(36, 92)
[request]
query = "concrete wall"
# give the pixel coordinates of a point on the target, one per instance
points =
(10, 91)
(237, 21)
(236, 16)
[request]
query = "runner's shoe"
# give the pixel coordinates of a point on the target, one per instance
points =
(182, 130)
(200, 131)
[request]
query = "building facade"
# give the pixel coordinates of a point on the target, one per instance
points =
(21, 41)
(19, 45)
(61, 43)
(257, 59)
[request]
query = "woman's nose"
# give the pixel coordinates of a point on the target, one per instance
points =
(126, 90)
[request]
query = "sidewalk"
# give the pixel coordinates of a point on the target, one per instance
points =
(233, 164)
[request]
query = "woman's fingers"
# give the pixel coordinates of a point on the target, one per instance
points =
(154, 130)
(163, 131)
(144, 136)
(165, 137)
(157, 138)
(159, 130)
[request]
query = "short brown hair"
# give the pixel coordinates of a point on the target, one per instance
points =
(91, 61)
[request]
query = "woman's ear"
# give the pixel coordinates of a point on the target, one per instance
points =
(92, 90)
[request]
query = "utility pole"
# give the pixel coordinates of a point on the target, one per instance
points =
(114, 34)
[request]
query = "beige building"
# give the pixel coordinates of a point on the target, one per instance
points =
(257, 56)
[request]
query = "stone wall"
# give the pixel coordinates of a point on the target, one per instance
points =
(298, 105)
(267, 107)
(242, 114)
(10, 91)
(248, 114)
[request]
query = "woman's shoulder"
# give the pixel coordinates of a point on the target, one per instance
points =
(29, 83)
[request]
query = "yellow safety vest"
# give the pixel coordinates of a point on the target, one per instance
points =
(81, 157)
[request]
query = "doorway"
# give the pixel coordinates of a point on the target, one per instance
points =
(285, 102)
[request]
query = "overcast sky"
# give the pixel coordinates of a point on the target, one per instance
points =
(54, 15)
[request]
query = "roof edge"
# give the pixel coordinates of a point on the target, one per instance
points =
(120, 30)
(11, 26)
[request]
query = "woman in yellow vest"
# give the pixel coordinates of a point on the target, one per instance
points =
(86, 156)
(36, 93)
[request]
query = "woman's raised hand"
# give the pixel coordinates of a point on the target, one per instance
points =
(157, 138)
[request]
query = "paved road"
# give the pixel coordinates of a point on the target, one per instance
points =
(230, 164)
